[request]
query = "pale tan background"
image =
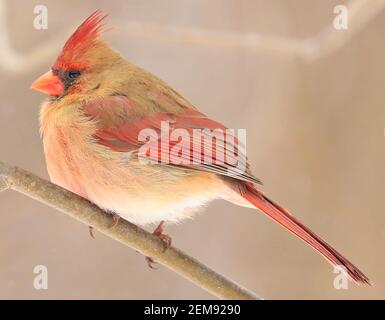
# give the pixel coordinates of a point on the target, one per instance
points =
(315, 137)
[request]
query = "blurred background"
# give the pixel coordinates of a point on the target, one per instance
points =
(311, 98)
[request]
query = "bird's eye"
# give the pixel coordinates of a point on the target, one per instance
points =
(73, 74)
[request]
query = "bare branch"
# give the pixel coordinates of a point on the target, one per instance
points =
(327, 41)
(125, 232)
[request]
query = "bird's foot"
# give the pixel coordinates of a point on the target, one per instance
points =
(164, 237)
(151, 263)
(91, 231)
(115, 220)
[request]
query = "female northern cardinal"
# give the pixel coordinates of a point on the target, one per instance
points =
(99, 105)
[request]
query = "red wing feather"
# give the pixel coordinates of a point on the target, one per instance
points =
(122, 136)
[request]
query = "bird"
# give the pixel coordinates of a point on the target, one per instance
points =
(103, 139)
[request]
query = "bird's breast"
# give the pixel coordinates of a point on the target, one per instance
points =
(66, 148)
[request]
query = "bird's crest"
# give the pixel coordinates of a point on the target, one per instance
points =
(80, 41)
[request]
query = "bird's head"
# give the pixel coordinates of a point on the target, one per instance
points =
(83, 64)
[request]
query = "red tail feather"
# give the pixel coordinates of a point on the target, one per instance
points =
(284, 218)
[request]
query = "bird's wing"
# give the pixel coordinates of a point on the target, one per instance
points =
(121, 121)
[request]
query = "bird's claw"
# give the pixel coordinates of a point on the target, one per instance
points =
(167, 240)
(151, 262)
(91, 231)
(115, 220)
(164, 237)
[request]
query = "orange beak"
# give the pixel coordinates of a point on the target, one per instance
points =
(49, 84)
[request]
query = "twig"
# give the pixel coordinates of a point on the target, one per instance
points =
(125, 232)
(327, 41)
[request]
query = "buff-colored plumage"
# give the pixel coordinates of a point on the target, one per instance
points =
(90, 130)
